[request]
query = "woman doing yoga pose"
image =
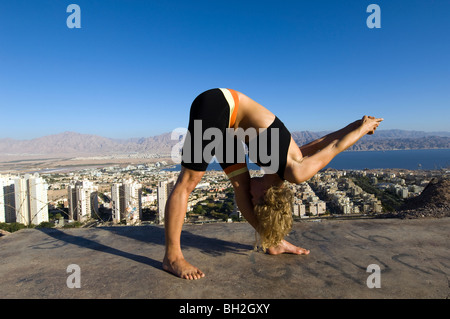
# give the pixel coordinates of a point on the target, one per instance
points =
(265, 201)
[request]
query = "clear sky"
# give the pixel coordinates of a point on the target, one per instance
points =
(134, 66)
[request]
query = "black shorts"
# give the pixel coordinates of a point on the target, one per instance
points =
(217, 109)
(211, 118)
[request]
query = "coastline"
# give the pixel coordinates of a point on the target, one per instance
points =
(53, 163)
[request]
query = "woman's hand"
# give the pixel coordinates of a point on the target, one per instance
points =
(369, 124)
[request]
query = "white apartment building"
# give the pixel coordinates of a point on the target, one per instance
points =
(306, 202)
(38, 200)
(82, 197)
(21, 200)
(30, 197)
(164, 190)
(299, 209)
(127, 201)
(116, 191)
(133, 205)
(7, 203)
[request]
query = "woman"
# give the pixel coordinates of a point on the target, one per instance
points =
(265, 202)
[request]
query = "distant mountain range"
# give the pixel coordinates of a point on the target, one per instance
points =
(71, 143)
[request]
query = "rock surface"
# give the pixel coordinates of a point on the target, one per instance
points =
(434, 201)
(125, 262)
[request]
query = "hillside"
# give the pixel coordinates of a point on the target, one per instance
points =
(434, 201)
(70, 143)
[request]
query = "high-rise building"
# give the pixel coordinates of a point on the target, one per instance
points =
(7, 204)
(133, 206)
(30, 194)
(21, 200)
(164, 190)
(126, 201)
(82, 197)
(116, 194)
(38, 200)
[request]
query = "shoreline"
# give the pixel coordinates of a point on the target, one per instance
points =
(55, 163)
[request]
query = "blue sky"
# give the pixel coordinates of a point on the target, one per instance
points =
(134, 67)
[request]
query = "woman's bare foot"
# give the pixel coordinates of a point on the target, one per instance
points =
(181, 268)
(287, 248)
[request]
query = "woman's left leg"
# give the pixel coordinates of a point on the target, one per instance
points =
(176, 208)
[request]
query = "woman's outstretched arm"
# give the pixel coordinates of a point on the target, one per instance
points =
(241, 186)
(316, 145)
(316, 155)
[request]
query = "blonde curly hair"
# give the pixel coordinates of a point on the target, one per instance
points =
(274, 216)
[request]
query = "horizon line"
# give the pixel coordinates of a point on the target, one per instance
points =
(169, 132)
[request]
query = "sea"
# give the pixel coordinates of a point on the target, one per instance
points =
(430, 159)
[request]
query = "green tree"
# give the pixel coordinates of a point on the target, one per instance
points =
(46, 225)
(12, 227)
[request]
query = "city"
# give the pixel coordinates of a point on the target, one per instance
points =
(136, 194)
